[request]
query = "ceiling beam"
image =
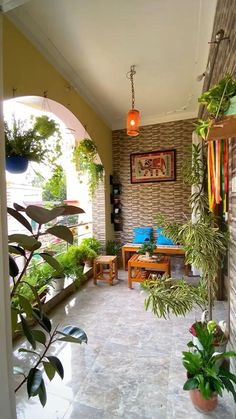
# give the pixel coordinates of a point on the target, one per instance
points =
(7, 5)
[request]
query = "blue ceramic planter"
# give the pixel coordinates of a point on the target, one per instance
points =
(16, 164)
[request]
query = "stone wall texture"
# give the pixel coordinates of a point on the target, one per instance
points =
(225, 18)
(142, 201)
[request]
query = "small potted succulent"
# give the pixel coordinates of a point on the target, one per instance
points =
(25, 144)
(206, 377)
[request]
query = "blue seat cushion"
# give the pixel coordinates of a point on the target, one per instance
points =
(141, 234)
(163, 240)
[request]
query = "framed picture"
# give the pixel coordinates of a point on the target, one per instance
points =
(156, 166)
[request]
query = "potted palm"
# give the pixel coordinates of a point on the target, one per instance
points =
(207, 378)
(24, 144)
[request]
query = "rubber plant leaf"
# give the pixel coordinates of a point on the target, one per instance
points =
(19, 217)
(62, 232)
(57, 365)
(27, 242)
(43, 215)
(33, 382)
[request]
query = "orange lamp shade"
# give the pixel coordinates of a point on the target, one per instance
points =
(132, 123)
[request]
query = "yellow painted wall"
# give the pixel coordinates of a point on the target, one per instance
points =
(26, 70)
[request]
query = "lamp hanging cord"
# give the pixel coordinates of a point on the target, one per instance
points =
(130, 75)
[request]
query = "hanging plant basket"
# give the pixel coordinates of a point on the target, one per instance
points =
(16, 164)
(222, 128)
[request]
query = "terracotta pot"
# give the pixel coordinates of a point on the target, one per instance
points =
(202, 404)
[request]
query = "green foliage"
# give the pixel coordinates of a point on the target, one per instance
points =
(147, 247)
(86, 252)
(168, 296)
(26, 289)
(204, 370)
(217, 98)
(93, 243)
(217, 101)
(113, 247)
(84, 155)
(32, 142)
(55, 188)
(194, 167)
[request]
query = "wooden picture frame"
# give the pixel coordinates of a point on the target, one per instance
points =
(155, 166)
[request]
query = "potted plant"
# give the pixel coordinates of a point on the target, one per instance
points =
(147, 248)
(206, 377)
(84, 156)
(87, 255)
(30, 144)
(113, 247)
(93, 243)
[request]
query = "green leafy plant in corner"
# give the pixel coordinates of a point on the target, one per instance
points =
(205, 373)
(113, 247)
(93, 243)
(84, 157)
(170, 296)
(22, 312)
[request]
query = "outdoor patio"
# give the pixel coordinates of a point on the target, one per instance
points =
(131, 367)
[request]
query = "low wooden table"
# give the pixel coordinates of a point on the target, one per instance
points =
(136, 263)
(131, 248)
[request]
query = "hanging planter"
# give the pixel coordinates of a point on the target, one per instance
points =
(30, 144)
(16, 164)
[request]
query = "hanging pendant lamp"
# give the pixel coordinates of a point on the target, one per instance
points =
(133, 116)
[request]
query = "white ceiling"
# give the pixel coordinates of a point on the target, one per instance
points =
(94, 42)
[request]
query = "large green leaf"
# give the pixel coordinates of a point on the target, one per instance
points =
(16, 250)
(13, 268)
(39, 336)
(50, 369)
(43, 215)
(18, 207)
(27, 242)
(25, 305)
(19, 217)
(57, 365)
(190, 384)
(73, 334)
(42, 393)
(27, 331)
(71, 210)
(34, 291)
(33, 382)
(42, 319)
(52, 262)
(62, 232)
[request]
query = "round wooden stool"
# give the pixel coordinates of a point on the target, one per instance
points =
(101, 272)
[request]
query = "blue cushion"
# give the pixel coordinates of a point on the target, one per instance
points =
(162, 240)
(141, 234)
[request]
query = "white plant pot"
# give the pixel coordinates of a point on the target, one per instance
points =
(58, 283)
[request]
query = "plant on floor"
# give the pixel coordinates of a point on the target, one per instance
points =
(31, 143)
(93, 243)
(204, 242)
(113, 247)
(40, 340)
(87, 254)
(84, 156)
(168, 296)
(207, 378)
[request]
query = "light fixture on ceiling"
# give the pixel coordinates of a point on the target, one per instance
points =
(133, 116)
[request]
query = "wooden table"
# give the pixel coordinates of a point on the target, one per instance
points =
(135, 264)
(131, 248)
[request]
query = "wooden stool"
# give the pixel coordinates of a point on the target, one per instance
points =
(106, 274)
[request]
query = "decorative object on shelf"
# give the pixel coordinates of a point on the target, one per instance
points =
(30, 144)
(133, 116)
(116, 214)
(84, 156)
(207, 378)
(156, 166)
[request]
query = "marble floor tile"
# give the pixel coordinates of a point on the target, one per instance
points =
(131, 367)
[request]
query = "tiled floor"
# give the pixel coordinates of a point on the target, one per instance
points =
(131, 367)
